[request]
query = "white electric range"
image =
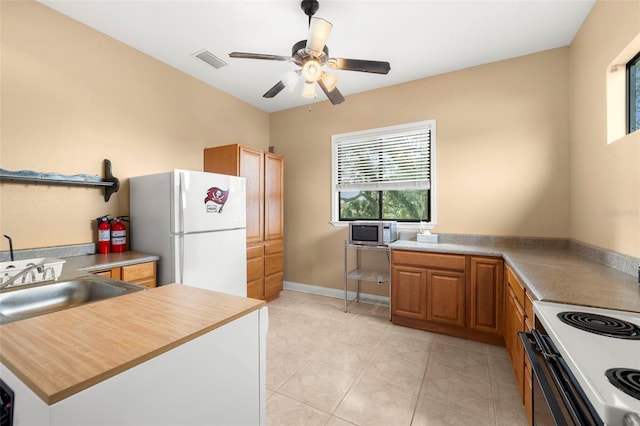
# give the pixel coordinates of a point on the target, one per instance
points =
(601, 348)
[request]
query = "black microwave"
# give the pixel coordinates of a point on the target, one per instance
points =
(374, 233)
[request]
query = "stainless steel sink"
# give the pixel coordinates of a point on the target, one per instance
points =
(17, 303)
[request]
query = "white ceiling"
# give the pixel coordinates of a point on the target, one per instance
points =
(420, 38)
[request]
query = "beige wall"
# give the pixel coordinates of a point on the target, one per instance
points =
(502, 156)
(72, 97)
(605, 178)
(521, 143)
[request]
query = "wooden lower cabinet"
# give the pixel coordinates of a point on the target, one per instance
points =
(450, 294)
(139, 273)
(255, 271)
(514, 325)
(113, 273)
(273, 269)
(265, 264)
(518, 317)
(486, 294)
(446, 297)
(409, 292)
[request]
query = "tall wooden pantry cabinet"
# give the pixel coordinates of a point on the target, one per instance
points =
(264, 172)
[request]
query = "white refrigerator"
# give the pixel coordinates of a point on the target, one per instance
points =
(196, 223)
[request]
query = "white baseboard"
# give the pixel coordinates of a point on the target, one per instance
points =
(335, 293)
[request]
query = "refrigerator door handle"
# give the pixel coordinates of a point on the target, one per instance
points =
(181, 254)
(181, 207)
(182, 203)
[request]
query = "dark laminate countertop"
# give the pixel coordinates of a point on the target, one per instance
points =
(554, 275)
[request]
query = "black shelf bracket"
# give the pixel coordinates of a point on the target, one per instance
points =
(110, 183)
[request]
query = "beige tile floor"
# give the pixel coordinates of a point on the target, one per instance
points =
(327, 367)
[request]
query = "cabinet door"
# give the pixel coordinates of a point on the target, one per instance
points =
(251, 168)
(114, 273)
(445, 297)
(486, 295)
(273, 190)
(409, 292)
(141, 273)
(514, 315)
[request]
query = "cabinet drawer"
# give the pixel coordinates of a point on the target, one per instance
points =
(528, 306)
(254, 251)
(109, 273)
(272, 285)
(255, 289)
(147, 282)
(273, 263)
(140, 271)
(255, 268)
(516, 287)
(273, 247)
(440, 261)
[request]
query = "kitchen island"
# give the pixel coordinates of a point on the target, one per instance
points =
(170, 355)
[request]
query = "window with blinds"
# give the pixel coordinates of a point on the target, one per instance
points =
(384, 173)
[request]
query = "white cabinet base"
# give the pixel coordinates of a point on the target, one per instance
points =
(215, 379)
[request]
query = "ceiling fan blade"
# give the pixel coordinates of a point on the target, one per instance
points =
(319, 30)
(362, 65)
(334, 96)
(246, 55)
(277, 88)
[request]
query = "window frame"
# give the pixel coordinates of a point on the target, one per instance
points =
(376, 133)
(631, 95)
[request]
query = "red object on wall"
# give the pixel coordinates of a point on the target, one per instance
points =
(104, 235)
(118, 236)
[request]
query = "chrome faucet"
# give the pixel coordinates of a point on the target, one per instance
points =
(29, 269)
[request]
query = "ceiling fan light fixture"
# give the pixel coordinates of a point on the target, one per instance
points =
(330, 81)
(312, 70)
(290, 80)
(319, 30)
(309, 90)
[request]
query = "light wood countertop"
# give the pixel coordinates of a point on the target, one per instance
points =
(62, 353)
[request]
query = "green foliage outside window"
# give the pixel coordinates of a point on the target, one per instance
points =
(406, 205)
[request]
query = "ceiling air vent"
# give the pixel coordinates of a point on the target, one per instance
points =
(210, 58)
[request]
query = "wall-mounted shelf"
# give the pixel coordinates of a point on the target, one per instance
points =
(110, 183)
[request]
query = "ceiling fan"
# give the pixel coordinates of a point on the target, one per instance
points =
(311, 55)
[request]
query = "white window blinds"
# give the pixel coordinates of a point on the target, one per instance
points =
(391, 161)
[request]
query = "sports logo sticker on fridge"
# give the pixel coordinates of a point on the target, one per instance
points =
(215, 199)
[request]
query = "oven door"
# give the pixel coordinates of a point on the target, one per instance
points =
(557, 396)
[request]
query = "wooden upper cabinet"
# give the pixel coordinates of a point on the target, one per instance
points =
(252, 168)
(273, 190)
(238, 160)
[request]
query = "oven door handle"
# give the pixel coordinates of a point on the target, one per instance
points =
(544, 347)
(547, 390)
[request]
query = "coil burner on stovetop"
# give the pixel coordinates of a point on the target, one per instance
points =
(600, 324)
(625, 379)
